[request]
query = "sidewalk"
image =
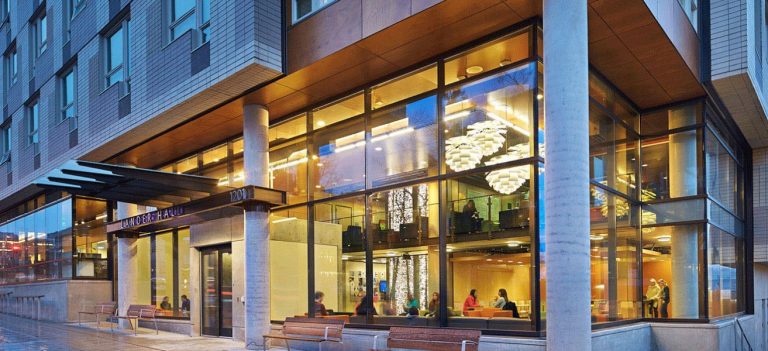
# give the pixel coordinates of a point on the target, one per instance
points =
(19, 334)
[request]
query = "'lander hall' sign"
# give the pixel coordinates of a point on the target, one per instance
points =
(152, 217)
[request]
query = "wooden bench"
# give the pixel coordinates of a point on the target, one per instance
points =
(317, 330)
(98, 310)
(431, 339)
(137, 312)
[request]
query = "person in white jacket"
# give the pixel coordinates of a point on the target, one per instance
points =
(652, 298)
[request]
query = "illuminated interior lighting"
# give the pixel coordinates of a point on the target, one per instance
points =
(392, 134)
(321, 123)
(101, 216)
(664, 238)
(456, 115)
(509, 124)
(238, 176)
(349, 146)
(273, 167)
(539, 96)
(595, 237)
(474, 69)
(287, 219)
(513, 243)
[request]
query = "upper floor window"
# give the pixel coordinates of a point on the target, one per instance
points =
(12, 67)
(6, 9)
(5, 142)
(68, 98)
(75, 6)
(40, 34)
(118, 56)
(304, 8)
(33, 122)
(184, 18)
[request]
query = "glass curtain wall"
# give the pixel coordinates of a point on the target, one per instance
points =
(383, 170)
(38, 246)
(163, 273)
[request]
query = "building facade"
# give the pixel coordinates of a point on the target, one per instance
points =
(385, 163)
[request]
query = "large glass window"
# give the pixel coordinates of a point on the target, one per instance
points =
(670, 166)
(38, 245)
(163, 296)
(500, 53)
(672, 276)
(33, 123)
(490, 259)
(725, 273)
(288, 170)
(489, 121)
(187, 15)
(338, 159)
(163, 278)
(615, 271)
(91, 238)
(723, 176)
(403, 143)
(288, 263)
(340, 259)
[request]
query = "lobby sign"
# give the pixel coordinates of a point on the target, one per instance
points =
(152, 217)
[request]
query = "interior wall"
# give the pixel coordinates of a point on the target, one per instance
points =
(488, 279)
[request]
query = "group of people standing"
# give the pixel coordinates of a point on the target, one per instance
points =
(657, 298)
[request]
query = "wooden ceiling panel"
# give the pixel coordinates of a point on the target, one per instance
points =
(598, 29)
(525, 8)
(622, 15)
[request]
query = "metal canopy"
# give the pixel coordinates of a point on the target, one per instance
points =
(129, 184)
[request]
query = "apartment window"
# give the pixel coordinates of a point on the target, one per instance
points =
(183, 17)
(304, 8)
(68, 98)
(5, 139)
(33, 122)
(75, 6)
(40, 32)
(118, 56)
(6, 9)
(12, 67)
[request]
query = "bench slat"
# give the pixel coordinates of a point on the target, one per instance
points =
(436, 339)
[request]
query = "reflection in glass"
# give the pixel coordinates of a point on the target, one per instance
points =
(489, 121)
(670, 166)
(725, 273)
(163, 274)
(403, 143)
(338, 160)
(403, 87)
(288, 170)
(722, 179)
(289, 129)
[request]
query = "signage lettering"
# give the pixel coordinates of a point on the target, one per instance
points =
(151, 217)
(238, 195)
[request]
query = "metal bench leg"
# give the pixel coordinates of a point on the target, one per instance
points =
(156, 330)
(38, 310)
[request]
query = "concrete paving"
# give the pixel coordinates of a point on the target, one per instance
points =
(19, 334)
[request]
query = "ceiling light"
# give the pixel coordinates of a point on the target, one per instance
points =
(378, 148)
(489, 136)
(504, 62)
(321, 123)
(287, 219)
(539, 96)
(664, 238)
(513, 243)
(474, 69)
(460, 77)
(378, 102)
(595, 237)
(461, 153)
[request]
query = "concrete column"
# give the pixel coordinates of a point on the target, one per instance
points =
(127, 263)
(683, 181)
(566, 180)
(256, 163)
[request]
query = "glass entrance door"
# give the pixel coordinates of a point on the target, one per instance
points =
(216, 270)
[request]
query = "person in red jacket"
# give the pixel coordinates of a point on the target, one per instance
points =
(471, 301)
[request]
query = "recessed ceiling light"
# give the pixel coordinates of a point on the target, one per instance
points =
(321, 123)
(460, 77)
(595, 237)
(505, 62)
(474, 69)
(378, 148)
(664, 238)
(539, 96)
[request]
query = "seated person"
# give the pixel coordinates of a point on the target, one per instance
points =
(319, 306)
(434, 305)
(165, 305)
(470, 302)
(412, 303)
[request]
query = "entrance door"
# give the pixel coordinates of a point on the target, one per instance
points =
(216, 270)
